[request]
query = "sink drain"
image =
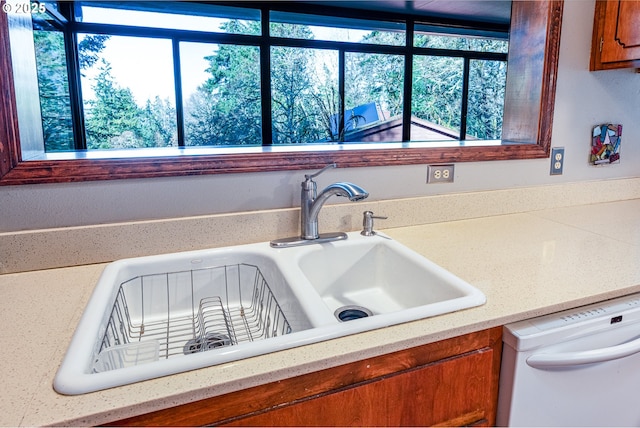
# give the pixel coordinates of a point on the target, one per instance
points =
(348, 313)
(210, 341)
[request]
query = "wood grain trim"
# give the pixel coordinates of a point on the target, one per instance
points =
(552, 59)
(8, 115)
(467, 419)
(34, 172)
(260, 398)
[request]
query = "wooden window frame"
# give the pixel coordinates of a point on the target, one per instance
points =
(528, 119)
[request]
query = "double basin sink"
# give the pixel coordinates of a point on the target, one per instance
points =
(159, 315)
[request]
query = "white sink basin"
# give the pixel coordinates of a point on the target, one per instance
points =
(380, 275)
(153, 316)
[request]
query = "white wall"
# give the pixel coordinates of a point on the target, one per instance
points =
(583, 99)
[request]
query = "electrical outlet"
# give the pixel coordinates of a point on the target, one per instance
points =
(557, 160)
(439, 173)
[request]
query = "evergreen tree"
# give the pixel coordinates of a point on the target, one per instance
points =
(226, 108)
(294, 118)
(376, 77)
(157, 126)
(295, 90)
(112, 119)
(487, 80)
(53, 87)
(53, 83)
(89, 49)
(437, 90)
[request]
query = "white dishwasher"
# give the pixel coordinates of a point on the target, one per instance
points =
(579, 367)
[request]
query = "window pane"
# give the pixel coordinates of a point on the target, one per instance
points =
(304, 94)
(336, 29)
(373, 97)
(437, 98)
(221, 94)
(177, 16)
(487, 81)
(53, 85)
(128, 92)
(471, 40)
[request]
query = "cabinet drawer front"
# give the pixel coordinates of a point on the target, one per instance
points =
(452, 392)
(452, 382)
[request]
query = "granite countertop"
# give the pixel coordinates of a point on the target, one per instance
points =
(527, 264)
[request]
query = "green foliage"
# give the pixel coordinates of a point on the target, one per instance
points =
(113, 120)
(53, 86)
(111, 114)
(158, 123)
(487, 81)
(460, 43)
(294, 119)
(89, 49)
(295, 90)
(437, 86)
(375, 78)
(226, 108)
(437, 90)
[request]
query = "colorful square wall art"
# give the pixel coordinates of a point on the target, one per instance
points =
(605, 144)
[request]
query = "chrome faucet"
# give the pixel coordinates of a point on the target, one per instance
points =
(311, 203)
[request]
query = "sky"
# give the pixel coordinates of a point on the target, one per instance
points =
(143, 65)
(146, 66)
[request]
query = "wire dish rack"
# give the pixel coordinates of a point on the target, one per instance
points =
(174, 314)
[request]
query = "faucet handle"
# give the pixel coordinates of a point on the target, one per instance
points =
(367, 223)
(312, 176)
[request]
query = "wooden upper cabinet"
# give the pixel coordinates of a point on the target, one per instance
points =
(616, 35)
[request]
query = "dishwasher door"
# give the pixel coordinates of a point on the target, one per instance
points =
(574, 368)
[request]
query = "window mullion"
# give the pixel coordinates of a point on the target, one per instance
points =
(177, 78)
(341, 94)
(75, 88)
(265, 78)
(465, 99)
(408, 81)
(73, 75)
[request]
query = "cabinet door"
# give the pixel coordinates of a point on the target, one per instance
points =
(616, 41)
(450, 393)
(451, 382)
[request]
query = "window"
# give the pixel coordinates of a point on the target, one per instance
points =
(184, 75)
(128, 100)
(374, 96)
(220, 92)
(53, 87)
(526, 130)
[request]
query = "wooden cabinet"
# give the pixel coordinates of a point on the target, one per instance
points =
(616, 35)
(453, 382)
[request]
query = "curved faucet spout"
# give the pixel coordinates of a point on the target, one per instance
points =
(310, 205)
(310, 219)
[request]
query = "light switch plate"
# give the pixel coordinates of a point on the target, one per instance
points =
(557, 160)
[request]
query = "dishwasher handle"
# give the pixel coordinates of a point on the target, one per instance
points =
(568, 359)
